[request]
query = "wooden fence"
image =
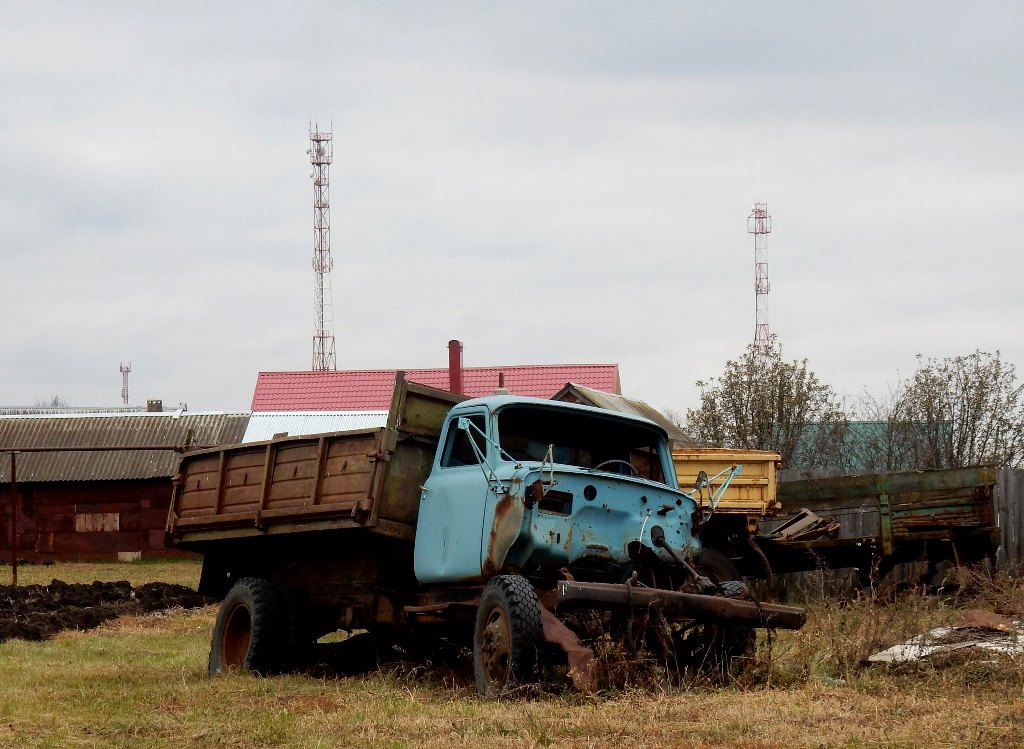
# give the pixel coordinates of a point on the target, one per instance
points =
(1010, 507)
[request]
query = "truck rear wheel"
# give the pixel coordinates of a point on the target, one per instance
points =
(507, 635)
(249, 630)
(297, 637)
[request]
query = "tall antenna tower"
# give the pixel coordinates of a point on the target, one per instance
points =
(759, 223)
(125, 369)
(321, 153)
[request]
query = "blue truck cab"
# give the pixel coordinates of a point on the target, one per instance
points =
(534, 487)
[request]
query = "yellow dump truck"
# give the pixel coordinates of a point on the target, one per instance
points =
(750, 494)
(729, 518)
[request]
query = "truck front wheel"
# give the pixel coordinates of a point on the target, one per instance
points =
(507, 635)
(722, 649)
(249, 631)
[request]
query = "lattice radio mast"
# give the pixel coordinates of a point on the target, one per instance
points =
(321, 153)
(125, 369)
(759, 223)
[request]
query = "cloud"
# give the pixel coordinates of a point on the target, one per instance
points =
(548, 182)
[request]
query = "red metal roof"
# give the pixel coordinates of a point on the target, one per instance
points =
(372, 389)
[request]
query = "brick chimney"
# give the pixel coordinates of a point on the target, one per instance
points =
(455, 366)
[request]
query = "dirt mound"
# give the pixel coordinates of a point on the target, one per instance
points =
(38, 612)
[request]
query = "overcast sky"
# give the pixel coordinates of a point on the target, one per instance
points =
(550, 182)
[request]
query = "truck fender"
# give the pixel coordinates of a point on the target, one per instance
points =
(582, 662)
(509, 512)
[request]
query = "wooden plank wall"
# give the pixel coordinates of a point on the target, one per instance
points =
(1010, 507)
(87, 520)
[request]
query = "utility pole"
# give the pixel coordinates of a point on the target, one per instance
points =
(321, 153)
(759, 223)
(125, 369)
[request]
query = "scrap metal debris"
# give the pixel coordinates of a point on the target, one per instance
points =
(804, 526)
(983, 630)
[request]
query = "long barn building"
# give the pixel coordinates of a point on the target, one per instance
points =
(105, 503)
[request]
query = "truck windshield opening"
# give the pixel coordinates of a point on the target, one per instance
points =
(581, 439)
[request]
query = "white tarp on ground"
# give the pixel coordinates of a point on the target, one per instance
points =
(977, 629)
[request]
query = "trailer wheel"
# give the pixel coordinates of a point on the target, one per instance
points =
(249, 631)
(507, 634)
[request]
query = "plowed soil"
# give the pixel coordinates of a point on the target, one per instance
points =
(38, 612)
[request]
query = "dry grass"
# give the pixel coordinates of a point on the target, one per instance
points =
(840, 635)
(140, 682)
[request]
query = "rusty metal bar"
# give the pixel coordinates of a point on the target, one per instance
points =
(269, 459)
(690, 605)
(321, 464)
(885, 523)
(221, 466)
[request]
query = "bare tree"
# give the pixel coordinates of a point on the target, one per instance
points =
(963, 411)
(54, 402)
(676, 417)
(761, 402)
(880, 439)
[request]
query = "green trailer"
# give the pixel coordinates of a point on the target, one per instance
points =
(942, 518)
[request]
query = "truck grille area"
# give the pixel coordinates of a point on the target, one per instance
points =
(556, 502)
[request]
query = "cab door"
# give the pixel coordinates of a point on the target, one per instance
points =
(452, 505)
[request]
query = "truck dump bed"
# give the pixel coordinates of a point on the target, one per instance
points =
(752, 493)
(361, 479)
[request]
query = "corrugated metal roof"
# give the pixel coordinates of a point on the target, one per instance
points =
(372, 389)
(577, 393)
(64, 410)
(266, 424)
(110, 431)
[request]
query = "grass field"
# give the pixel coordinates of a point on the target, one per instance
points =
(141, 682)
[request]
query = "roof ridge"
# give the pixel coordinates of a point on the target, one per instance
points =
(388, 370)
(372, 389)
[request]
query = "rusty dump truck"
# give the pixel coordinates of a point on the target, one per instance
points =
(528, 530)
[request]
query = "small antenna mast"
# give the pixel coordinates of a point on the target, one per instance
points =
(125, 369)
(759, 223)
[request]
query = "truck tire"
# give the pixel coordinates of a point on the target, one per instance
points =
(249, 632)
(507, 635)
(716, 649)
(297, 637)
(733, 589)
(715, 565)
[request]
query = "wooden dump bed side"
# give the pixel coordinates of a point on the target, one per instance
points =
(895, 514)
(361, 479)
(901, 503)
